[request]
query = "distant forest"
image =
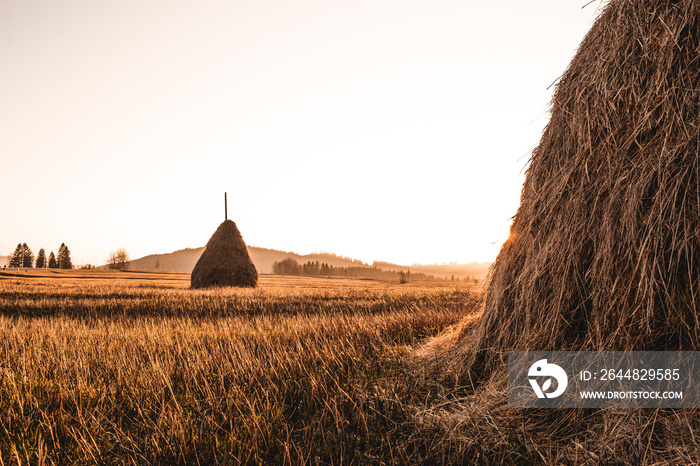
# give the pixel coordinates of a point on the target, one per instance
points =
(290, 266)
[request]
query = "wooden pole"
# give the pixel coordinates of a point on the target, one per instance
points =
(225, 207)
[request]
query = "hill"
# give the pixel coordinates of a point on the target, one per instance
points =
(185, 259)
(263, 258)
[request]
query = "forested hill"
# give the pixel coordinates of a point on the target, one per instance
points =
(185, 259)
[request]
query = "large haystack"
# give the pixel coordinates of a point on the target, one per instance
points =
(602, 251)
(225, 261)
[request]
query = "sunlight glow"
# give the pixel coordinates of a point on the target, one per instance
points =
(381, 130)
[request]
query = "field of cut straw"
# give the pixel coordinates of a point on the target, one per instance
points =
(134, 368)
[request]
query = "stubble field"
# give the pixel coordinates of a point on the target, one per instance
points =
(134, 368)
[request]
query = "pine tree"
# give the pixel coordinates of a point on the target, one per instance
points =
(41, 259)
(64, 261)
(16, 260)
(27, 257)
(52, 261)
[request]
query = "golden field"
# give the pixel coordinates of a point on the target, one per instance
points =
(134, 368)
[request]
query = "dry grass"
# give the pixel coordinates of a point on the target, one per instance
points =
(134, 368)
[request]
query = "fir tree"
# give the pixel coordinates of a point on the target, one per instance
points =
(41, 259)
(27, 257)
(16, 260)
(52, 261)
(64, 261)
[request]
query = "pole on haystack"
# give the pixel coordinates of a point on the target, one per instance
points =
(225, 207)
(225, 260)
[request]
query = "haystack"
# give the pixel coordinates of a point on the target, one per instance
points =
(604, 248)
(225, 261)
(603, 253)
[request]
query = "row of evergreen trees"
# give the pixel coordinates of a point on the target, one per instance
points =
(23, 257)
(290, 266)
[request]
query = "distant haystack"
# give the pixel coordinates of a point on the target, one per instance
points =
(225, 261)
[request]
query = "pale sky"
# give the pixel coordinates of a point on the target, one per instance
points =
(378, 129)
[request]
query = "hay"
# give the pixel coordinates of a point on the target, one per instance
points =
(225, 261)
(602, 250)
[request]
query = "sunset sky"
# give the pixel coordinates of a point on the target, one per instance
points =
(378, 129)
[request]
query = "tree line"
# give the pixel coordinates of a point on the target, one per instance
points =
(290, 266)
(23, 257)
